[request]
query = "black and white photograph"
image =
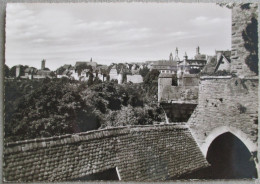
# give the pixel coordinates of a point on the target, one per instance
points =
(130, 92)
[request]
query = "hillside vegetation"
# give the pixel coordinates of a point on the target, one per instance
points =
(45, 108)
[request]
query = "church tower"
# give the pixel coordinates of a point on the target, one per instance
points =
(176, 55)
(43, 64)
(171, 57)
(198, 50)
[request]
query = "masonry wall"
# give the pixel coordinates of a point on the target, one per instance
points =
(162, 83)
(179, 94)
(226, 101)
(141, 153)
(242, 16)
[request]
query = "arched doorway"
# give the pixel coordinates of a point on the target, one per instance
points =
(230, 158)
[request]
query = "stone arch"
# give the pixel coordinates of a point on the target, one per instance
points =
(252, 147)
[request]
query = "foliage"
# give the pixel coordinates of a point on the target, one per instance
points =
(12, 71)
(61, 106)
(151, 82)
(6, 71)
(143, 72)
(82, 67)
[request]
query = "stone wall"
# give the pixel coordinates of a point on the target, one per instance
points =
(140, 153)
(190, 80)
(185, 92)
(243, 15)
(226, 102)
(179, 94)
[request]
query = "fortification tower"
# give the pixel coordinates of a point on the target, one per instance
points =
(43, 64)
(164, 80)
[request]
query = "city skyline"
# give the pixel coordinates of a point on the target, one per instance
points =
(115, 32)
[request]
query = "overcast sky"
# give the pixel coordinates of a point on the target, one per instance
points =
(112, 32)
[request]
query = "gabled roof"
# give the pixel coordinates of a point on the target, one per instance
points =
(159, 152)
(78, 63)
(67, 66)
(221, 59)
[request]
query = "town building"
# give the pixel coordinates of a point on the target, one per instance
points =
(88, 63)
(33, 73)
(220, 62)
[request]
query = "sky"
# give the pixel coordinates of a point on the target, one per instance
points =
(64, 33)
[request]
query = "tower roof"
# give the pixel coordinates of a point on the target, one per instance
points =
(176, 55)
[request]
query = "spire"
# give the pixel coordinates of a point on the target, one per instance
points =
(198, 50)
(185, 56)
(171, 57)
(176, 55)
(90, 59)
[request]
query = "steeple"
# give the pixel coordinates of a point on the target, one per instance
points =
(198, 50)
(176, 55)
(90, 59)
(185, 56)
(171, 57)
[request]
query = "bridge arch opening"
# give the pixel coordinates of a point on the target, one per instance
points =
(230, 158)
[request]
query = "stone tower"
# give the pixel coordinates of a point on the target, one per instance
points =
(43, 64)
(164, 80)
(244, 57)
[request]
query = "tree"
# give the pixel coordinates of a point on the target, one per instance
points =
(6, 70)
(82, 67)
(12, 72)
(60, 70)
(52, 74)
(143, 72)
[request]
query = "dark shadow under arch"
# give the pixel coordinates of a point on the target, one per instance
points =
(230, 159)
